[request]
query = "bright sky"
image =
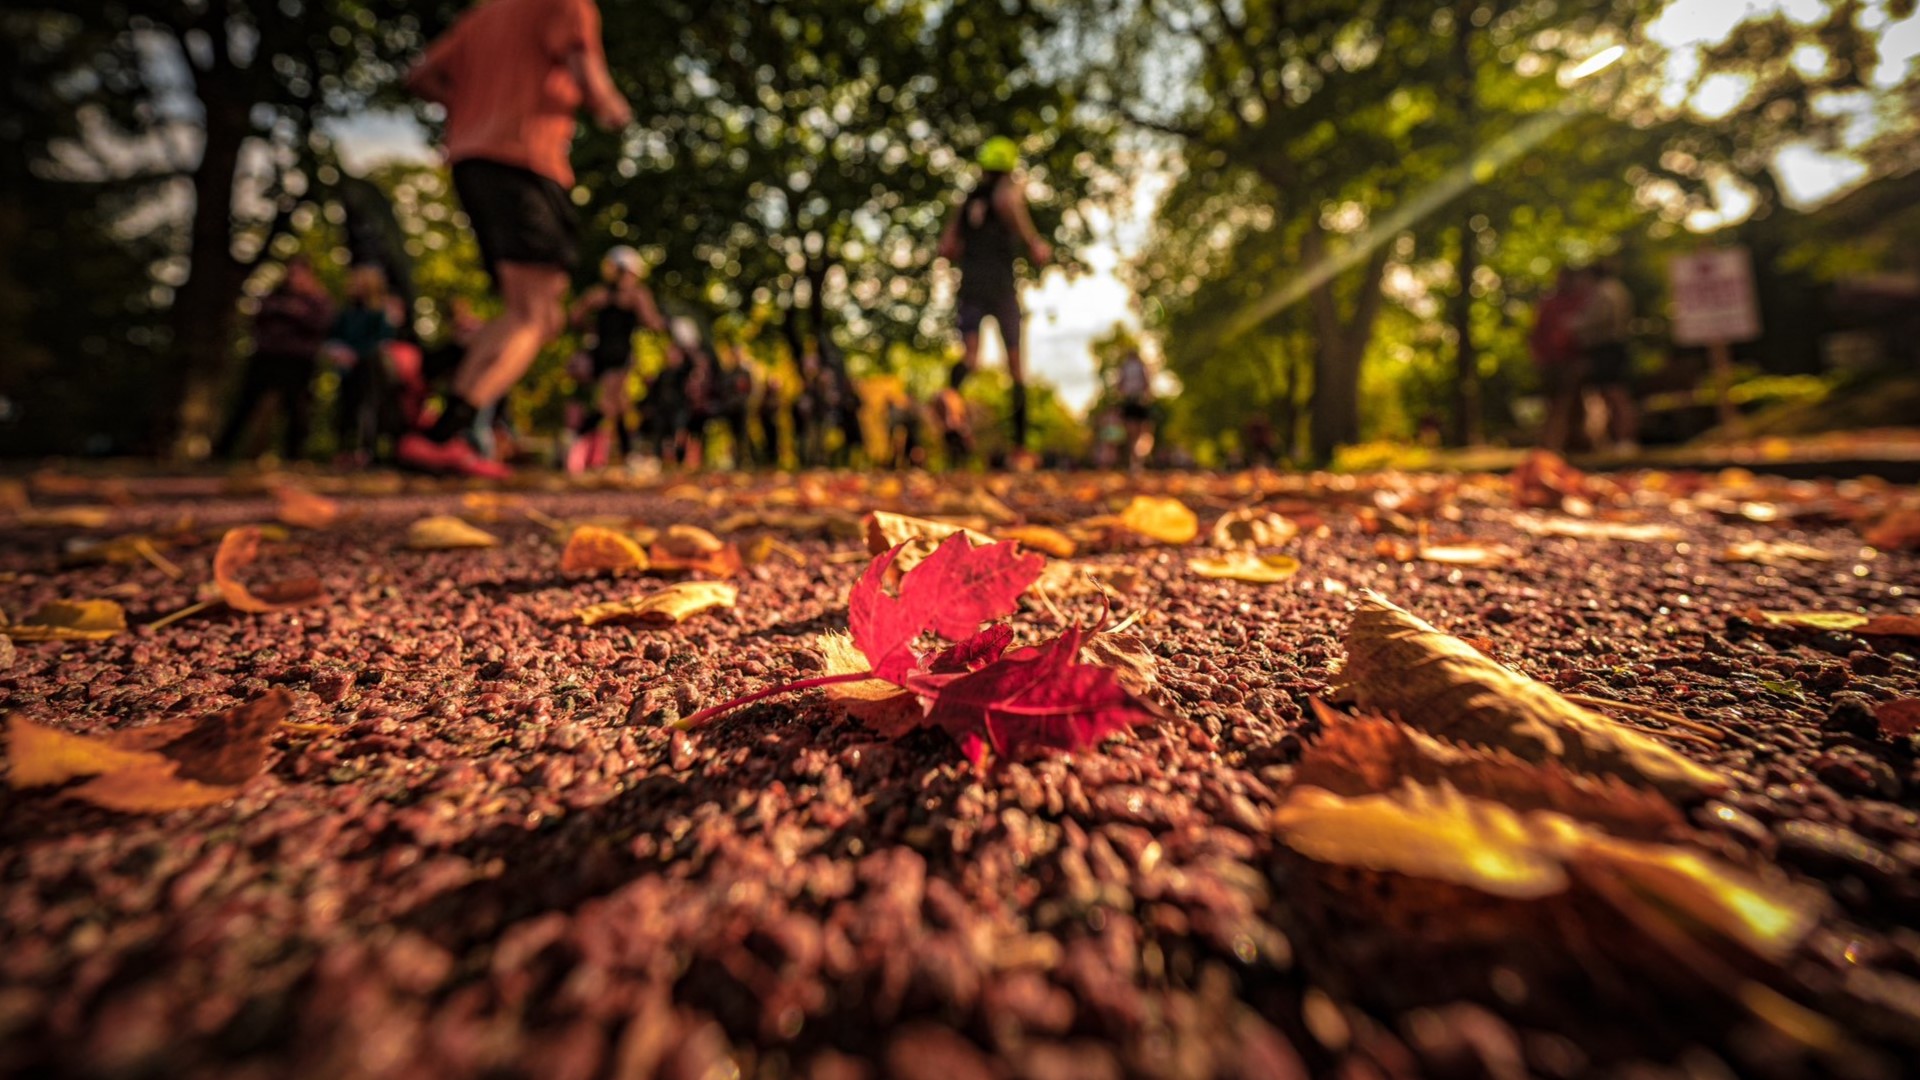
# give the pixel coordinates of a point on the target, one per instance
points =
(1065, 316)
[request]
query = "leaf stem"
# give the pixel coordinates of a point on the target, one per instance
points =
(190, 609)
(1710, 733)
(711, 712)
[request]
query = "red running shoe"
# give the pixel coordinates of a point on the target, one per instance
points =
(454, 456)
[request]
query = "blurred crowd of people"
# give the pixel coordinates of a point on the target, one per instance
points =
(1581, 332)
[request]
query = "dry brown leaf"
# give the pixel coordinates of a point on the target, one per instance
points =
(877, 703)
(1898, 717)
(1161, 519)
(1438, 834)
(1246, 566)
(1585, 529)
(238, 550)
(1772, 553)
(688, 542)
(1251, 528)
(663, 607)
(886, 530)
(1545, 479)
(65, 517)
(1066, 580)
(490, 507)
(1399, 665)
(1133, 663)
(1365, 755)
(444, 532)
(763, 549)
(167, 766)
(1897, 531)
(1040, 538)
(304, 509)
(1456, 553)
(1846, 621)
(70, 620)
(592, 549)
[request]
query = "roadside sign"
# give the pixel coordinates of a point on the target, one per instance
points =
(1713, 297)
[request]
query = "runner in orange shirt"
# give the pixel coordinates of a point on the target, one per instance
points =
(511, 74)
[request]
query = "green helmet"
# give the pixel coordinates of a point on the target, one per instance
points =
(999, 154)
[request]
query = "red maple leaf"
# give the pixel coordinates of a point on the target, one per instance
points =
(951, 592)
(1039, 697)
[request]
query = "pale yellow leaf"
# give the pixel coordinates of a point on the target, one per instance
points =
(1160, 519)
(663, 607)
(71, 620)
(445, 532)
(1246, 566)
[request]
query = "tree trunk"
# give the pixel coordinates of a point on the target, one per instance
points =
(1340, 341)
(1469, 427)
(203, 315)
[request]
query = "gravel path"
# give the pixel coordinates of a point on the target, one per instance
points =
(506, 863)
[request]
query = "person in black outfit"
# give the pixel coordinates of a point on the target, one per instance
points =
(981, 237)
(288, 331)
(616, 308)
(355, 346)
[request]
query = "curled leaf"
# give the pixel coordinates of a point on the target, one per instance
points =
(915, 537)
(593, 549)
(1246, 566)
(1161, 519)
(1846, 621)
(1251, 528)
(1040, 538)
(1772, 553)
(1544, 479)
(1065, 580)
(1899, 530)
(70, 620)
(663, 607)
(1398, 664)
(304, 509)
(1584, 529)
(689, 548)
(885, 707)
(444, 532)
(239, 548)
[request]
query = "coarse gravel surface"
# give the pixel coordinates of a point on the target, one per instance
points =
(506, 862)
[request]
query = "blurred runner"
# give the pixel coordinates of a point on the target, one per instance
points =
(288, 331)
(981, 239)
(511, 74)
(618, 308)
(1605, 327)
(355, 348)
(1133, 384)
(1555, 346)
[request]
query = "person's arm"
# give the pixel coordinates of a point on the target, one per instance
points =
(1011, 201)
(590, 301)
(579, 41)
(650, 316)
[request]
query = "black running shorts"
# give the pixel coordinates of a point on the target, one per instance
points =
(1005, 309)
(518, 215)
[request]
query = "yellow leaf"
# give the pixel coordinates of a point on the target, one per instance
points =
(1246, 566)
(65, 517)
(593, 549)
(444, 532)
(1399, 665)
(1161, 519)
(663, 607)
(304, 509)
(1040, 538)
(1580, 529)
(887, 530)
(1251, 527)
(877, 703)
(41, 756)
(689, 542)
(71, 620)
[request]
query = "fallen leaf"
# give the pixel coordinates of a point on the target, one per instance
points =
(239, 548)
(168, 766)
(887, 708)
(70, 620)
(65, 517)
(1066, 580)
(444, 532)
(1438, 834)
(723, 560)
(1364, 755)
(1132, 660)
(954, 590)
(1846, 621)
(1040, 538)
(1772, 553)
(663, 607)
(119, 550)
(688, 542)
(1458, 553)
(1897, 531)
(1253, 528)
(491, 507)
(1399, 665)
(1160, 519)
(1584, 529)
(763, 548)
(598, 550)
(1246, 566)
(304, 509)
(886, 531)
(1898, 717)
(1544, 479)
